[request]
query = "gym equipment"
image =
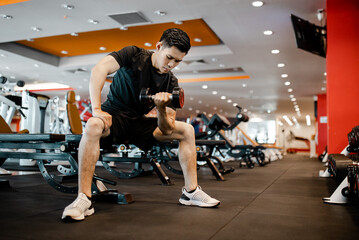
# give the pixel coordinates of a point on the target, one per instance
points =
(177, 97)
(242, 152)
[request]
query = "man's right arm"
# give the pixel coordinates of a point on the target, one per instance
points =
(104, 67)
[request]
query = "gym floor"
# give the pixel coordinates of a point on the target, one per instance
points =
(282, 200)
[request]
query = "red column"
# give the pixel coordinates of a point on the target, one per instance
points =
(321, 123)
(342, 71)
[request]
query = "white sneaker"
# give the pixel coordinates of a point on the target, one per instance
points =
(78, 209)
(198, 198)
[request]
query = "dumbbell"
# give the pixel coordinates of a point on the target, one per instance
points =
(177, 97)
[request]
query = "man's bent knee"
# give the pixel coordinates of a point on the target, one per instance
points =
(94, 127)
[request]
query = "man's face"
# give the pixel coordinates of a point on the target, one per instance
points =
(168, 58)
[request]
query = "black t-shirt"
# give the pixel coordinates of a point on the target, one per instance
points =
(136, 72)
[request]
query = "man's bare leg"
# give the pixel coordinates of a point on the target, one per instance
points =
(187, 155)
(89, 152)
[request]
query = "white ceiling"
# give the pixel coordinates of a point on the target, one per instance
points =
(237, 23)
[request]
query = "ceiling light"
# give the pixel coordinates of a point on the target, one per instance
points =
(308, 120)
(284, 75)
(223, 97)
(214, 59)
(36, 65)
(29, 39)
(74, 34)
(269, 111)
(178, 22)
(291, 96)
(290, 90)
(205, 86)
(7, 68)
(64, 52)
(36, 29)
(123, 28)
(244, 85)
(257, 3)
(323, 88)
(251, 91)
(160, 13)
(281, 65)
(190, 109)
(275, 51)
(288, 120)
(214, 92)
(325, 74)
(229, 101)
(191, 98)
(7, 16)
(235, 104)
(245, 110)
(293, 99)
(93, 21)
(222, 65)
(200, 101)
(197, 111)
(67, 6)
(147, 44)
(268, 32)
(287, 83)
(102, 48)
(2, 55)
(197, 40)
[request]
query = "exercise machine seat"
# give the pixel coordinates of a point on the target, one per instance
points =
(73, 113)
(5, 128)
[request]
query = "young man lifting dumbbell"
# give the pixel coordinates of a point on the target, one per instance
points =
(122, 116)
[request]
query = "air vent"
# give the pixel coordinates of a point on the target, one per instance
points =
(127, 19)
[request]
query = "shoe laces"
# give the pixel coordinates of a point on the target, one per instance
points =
(199, 195)
(81, 202)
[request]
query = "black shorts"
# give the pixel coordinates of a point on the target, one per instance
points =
(132, 130)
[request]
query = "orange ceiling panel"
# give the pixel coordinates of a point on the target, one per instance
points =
(115, 39)
(7, 2)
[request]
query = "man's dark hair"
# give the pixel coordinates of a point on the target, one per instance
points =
(177, 38)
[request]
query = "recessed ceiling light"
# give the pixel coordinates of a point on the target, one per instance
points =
(7, 16)
(291, 96)
(7, 67)
(190, 109)
(3, 55)
(123, 28)
(36, 65)
(323, 88)
(147, 44)
(223, 97)
(74, 34)
(204, 86)
(222, 65)
(235, 104)
(293, 99)
(160, 13)
(214, 59)
(93, 21)
(36, 29)
(29, 39)
(200, 101)
(287, 83)
(197, 40)
(290, 90)
(214, 108)
(281, 65)
(64, 52)
(178, 22)
(275, 51)
(214, 92)
(67, 6)
(325, 74)
(257, 3)
(229, 101)
(244, 85)
(102, 48)
(284, 75)
(268, 32)
(251, 91)
(191, 98)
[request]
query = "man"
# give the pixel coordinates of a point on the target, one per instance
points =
(121, 116)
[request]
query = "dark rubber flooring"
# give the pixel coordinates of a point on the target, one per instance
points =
(282, 200)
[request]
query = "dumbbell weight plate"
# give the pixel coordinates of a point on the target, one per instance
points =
(177, 97)
(144, 97)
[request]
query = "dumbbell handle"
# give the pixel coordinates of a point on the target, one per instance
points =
(177, 97)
